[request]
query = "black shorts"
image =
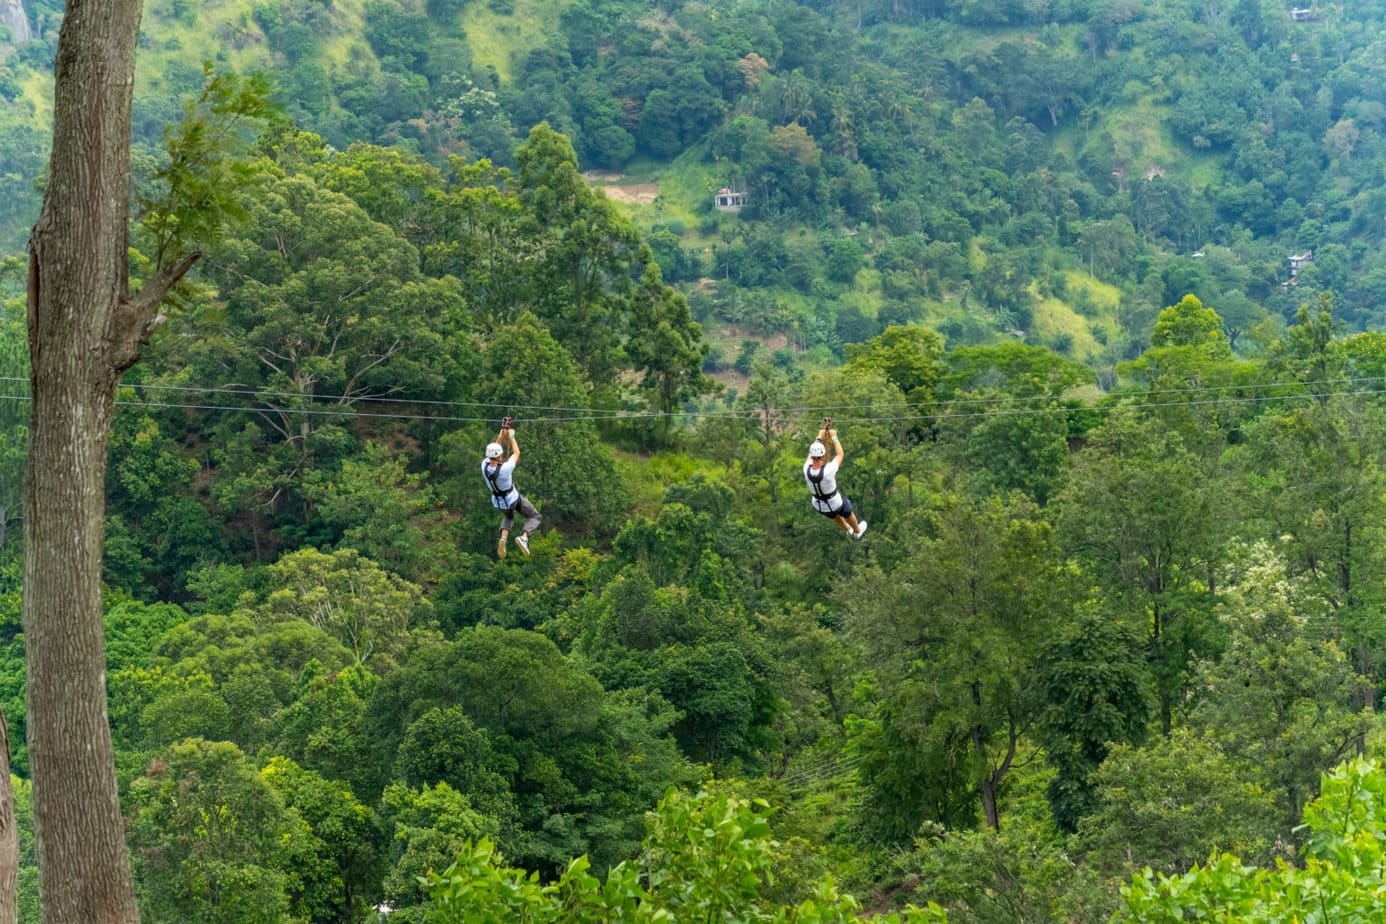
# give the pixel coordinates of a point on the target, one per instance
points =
(844, 511)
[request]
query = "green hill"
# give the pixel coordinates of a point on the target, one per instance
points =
(882, 146)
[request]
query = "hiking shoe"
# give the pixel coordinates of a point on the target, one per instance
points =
(523, 542)
(861, 528)
(500, 548)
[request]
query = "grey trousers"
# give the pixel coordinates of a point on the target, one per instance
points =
(531, 515)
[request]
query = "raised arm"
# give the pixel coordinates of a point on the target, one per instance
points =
(837, 447)
(514, 447)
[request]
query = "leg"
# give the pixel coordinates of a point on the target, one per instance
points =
(531, 514)
(531, 522)
(847, 518)
(507, 521)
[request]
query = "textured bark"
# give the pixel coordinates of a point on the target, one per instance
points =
(9, 835)
(84, 330)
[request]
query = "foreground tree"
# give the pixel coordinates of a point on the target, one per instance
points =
(705, 857)
(1340, 878)
(9, 835)
(86, 327)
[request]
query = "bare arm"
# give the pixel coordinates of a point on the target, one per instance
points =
(837, 459)
(514, 447)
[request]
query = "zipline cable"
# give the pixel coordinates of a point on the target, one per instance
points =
(588, 417)
(602, 413)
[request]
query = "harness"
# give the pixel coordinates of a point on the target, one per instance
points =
(490, 476)
(816, 483)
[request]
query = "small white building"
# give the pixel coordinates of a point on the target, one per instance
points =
(728, 201)
(1299, 260)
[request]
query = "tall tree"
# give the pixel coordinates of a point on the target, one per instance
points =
(1146, 516)
(9, 836)
(86, 327)
(959, 630)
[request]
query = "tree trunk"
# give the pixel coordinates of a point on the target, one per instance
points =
(9, 835)
(989, 810)
(1368, 692)
(84, 330)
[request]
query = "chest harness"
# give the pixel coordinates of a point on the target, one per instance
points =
(816, 482)
(490, 475)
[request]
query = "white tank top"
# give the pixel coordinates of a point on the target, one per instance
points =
(823, 484)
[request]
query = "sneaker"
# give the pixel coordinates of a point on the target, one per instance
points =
(500, 548)
(861, 528)
(523, 542)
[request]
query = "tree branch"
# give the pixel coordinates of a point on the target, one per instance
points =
(137, 317)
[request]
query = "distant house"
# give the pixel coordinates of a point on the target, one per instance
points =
(1297, 263)
(728, 201)
(1305, 15)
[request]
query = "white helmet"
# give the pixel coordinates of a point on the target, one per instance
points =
(817, 450)
(494, 451)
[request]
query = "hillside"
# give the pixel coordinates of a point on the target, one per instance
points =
(955, 164)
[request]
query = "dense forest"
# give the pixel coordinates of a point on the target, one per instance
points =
(1118, 617)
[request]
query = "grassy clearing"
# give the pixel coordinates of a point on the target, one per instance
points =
(38, 91)
(645, 478)
(1142, 141)
(865, 293)
(1103, 294)
(685, 186)
(1054, 318)
(223, 33)
(976, 254)
(497, 38)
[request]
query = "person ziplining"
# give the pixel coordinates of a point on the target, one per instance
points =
(505, 497)
(821, 476)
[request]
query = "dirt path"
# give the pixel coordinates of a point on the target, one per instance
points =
(635, 193)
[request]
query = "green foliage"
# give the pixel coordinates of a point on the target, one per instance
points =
(910, 358)
(581, 763)
(381, 510)
(707, 855)
(1141, 509)
(432, 825)
(958, 632)
(28, 856)
(1190, 324)
(565, 469)
(1186, 526)
(373, 613)
(1170, 805)
(1340, 877)
(1016, 874)
(1095, 696)
(196, 194)
(212, 841)
(339, 865)
(1282, 695)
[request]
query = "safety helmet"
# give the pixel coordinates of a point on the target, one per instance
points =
(817, 450)
(494, 451)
